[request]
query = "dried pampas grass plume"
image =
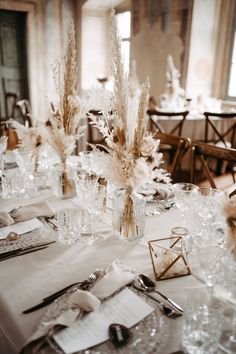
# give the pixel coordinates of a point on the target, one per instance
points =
(66, 114)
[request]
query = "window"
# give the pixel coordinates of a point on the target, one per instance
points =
(124, 25)
(231, 89)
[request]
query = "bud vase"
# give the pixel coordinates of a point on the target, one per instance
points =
(128, 219)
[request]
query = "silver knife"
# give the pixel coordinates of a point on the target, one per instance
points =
(9, 253)
(21, 253)
(50, 299)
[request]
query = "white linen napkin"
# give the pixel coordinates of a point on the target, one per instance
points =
(116, 276)
(32, 211)
(5, 219)
(24, 213)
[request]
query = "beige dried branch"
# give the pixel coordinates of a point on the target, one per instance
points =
(141, 121)
(120, 85)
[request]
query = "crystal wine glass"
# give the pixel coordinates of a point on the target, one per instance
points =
(26, 161)
(86, 161)
(185, 194)
(92, 195)
(207, 207)
(3, 147)
(227, 341)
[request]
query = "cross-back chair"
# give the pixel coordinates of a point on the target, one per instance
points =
(155, 123)
(201, 152)
(178, 145)
(221, 136)
(25, 112)
(231, 194)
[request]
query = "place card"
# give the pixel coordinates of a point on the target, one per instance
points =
(20, 227)
(125, 308)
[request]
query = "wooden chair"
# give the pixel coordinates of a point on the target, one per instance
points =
(201, 152)
(156, 124)
(179, 147)
(25, 112)
(231, 194)
(227, 136)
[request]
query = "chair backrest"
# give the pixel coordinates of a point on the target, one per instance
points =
(156, 124)
(222, 136)
(25, 111)
(202, 151)
(180, 145)
(232, 193)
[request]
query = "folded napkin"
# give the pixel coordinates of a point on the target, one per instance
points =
(5, 219)
(116, 276)
(24, 213)
(32, 211)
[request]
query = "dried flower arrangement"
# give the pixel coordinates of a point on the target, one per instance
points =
(131, 158)
(65, 119)
(230, 212)
(31, 138)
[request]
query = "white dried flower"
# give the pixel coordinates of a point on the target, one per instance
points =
(142, 173)
(148, 146)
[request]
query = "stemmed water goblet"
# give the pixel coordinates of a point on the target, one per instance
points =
(92, 195)
(86, 161)
(185, 195)
(227, 341)
(3, 147)
(26, 161)
(207, 207)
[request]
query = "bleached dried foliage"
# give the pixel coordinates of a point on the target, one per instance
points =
(30, 138)
(65, 117)
(230, 212)
(132, 158)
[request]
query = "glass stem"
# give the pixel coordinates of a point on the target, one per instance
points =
(182, 216)
(92, 227)
(1, 165)
(233, 335)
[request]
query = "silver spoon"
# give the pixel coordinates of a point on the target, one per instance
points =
(167, 310)
(150, 286)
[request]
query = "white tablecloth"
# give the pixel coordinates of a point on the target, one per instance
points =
(194, 127)
(26, 280)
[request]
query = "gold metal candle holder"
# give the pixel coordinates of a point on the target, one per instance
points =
(169, 259)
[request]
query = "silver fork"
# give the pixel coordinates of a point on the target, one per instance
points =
(82, 284)
(69, 289)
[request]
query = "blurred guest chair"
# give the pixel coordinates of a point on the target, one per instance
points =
(177, 146)
(155, 121)
(226, 137)
(201, 153)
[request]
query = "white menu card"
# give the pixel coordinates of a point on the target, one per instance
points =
(20, 227)
(124, 308)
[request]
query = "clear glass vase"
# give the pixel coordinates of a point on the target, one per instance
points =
(67, 187)
(128, 219)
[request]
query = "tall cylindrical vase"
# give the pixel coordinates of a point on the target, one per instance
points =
(128, 219)
(67, 184)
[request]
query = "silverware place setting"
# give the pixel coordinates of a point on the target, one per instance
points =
(26, 250)
(85, 284)
(147, 286)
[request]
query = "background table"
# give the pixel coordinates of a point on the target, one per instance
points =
(194, 126)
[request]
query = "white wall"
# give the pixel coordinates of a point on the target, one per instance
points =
(94, 47)
(202, 49)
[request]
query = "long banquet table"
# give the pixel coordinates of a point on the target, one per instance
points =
(27, 279)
